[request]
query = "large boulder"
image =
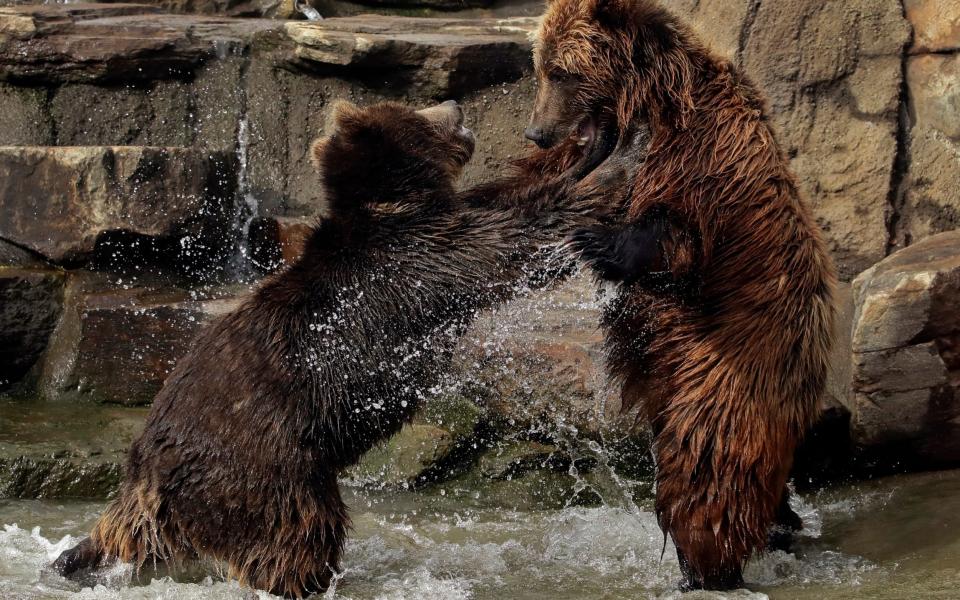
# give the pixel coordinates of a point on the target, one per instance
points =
(832, 72)
(537, 366)
(60, 201)
(117, 344)
(906, 354)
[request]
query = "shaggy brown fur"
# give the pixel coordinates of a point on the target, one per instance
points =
(728, 344)
(241, 451)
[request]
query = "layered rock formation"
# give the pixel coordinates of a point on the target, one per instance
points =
(906, 354)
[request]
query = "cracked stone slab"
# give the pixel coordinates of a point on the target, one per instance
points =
(906, 353)
(105, 43)
(116, 344)
(441, 56)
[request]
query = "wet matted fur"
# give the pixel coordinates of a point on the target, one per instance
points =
(241, 451)
(727, 347)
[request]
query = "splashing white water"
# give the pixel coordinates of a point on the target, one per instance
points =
(252, 205)
(442, 552)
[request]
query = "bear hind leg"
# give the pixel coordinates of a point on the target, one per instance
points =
(302, 557)
(703, 565)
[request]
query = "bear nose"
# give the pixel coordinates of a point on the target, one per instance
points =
(535, 135)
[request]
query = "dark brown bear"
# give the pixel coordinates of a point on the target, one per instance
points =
(724, 318)
(240, 455)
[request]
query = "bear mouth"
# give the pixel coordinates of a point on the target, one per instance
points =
(596, 140)
(466, 142)
(466, 135)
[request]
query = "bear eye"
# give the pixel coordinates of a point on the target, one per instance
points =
(560, 76)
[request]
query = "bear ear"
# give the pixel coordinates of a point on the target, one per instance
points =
(345, 115)
(608, 10)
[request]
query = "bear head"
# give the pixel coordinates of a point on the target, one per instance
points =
(600, 64)
(389, 152)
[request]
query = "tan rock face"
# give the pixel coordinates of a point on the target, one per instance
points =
(930, 202)
(58, 201)
(936, 25)
(832, 73)
(934, 82)
(906, 372)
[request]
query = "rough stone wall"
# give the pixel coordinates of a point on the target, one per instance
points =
(866, 98)
(929, 200)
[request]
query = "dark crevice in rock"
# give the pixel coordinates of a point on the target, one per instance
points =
(824, 456)
(939, 52)
(752, 9)
(901, 161)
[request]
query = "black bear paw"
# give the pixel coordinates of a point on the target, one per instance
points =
(624, 254)
(81, 557)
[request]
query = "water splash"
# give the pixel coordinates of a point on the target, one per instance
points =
(446, 551)
(251, 206)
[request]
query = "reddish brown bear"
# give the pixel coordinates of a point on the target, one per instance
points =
(724, 316)
(240, 455)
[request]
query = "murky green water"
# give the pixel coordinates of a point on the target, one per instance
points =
(895, 538)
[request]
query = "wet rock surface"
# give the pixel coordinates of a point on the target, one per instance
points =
(30, 305)
(63, 450)
(906, 336)
(59, 201)
(117, 344)
(537, 366)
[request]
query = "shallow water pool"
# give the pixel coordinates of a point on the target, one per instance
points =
(895, 538)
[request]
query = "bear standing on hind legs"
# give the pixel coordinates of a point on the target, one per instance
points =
(724, 315)
(239, 458)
